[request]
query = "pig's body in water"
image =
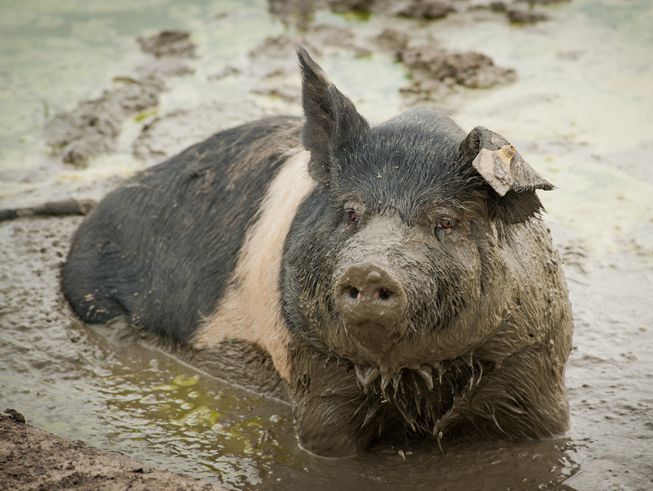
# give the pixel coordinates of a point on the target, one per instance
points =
(397, 277)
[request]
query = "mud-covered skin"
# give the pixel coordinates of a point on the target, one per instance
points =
(159, 250)
(488, 291)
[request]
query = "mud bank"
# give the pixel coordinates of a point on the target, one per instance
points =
(34, 459)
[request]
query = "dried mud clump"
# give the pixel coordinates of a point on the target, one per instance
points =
(413, 9)
(93, 127)
(433, 68)
(517, 12)
(469, 69)
(168, 43)
(300, 13)
(542, 2)
(525, 16)
(423, 9)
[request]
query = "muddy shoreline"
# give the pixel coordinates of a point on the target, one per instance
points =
(34, 459)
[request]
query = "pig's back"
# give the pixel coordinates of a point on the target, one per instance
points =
(161, 248)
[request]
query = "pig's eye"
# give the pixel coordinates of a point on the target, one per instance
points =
(352, 215)
(443, 225)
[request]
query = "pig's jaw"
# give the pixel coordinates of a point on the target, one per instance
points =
(389, 350)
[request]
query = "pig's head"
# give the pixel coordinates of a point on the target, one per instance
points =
(394, 260)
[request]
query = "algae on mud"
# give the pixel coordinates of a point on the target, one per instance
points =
(579, 108)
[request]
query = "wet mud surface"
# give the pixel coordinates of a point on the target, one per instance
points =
(572, 91)
(34, 459)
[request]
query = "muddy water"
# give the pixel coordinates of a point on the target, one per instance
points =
(579, 111)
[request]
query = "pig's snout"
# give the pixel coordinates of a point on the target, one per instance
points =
(365, 293)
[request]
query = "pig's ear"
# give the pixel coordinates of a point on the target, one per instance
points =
(332, 121)
(513, 181)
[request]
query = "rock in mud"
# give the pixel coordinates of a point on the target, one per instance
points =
(31, 458)
(516, 11)
(66, 207)
(15, 415)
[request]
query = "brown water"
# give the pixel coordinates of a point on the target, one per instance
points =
(580, 112)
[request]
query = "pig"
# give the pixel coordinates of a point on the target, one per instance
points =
(396, 279)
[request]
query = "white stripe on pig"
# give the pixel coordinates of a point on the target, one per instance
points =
(250, 310)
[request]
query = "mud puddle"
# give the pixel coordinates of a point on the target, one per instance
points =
(578, 107)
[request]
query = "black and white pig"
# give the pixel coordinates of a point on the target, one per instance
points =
(397, 277)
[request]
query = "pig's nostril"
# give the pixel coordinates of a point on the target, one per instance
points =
(385, 294)
(353, 293)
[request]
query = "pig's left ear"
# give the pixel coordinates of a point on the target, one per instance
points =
(332, 122)
(513, 181)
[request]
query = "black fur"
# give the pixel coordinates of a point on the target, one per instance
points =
(404, 166)
(160, 249)
(332, 122)
(402, 175)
